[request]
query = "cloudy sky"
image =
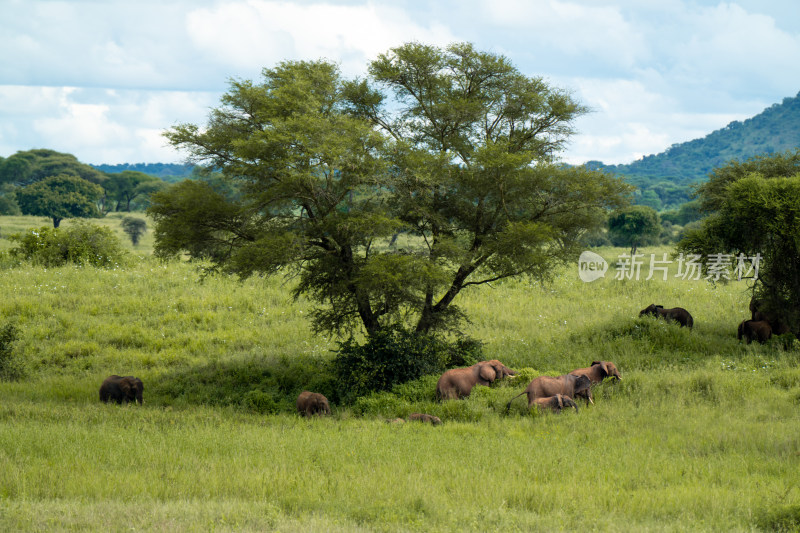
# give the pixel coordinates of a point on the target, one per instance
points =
(102, 79)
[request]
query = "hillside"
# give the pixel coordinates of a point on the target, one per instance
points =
(664, 179)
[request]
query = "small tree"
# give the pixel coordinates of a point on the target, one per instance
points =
(60, 197)
(634, 226)
(134, 227)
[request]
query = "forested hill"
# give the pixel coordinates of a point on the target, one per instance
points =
(169, 172)
(664, 179)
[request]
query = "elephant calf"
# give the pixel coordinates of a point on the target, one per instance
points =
(121, 389)
(548, 386)
(422, 417)
(678, 314)
(759, 330)
(458, 382)
(555, 403)
(312, 403)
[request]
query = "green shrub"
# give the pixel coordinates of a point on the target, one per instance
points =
(10, 366)
(81, 243)
(134, 227)
(395, 356)
(784, 518)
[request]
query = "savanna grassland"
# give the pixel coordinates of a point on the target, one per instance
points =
(702, 433)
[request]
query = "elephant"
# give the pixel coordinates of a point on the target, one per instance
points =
(555, 403)
(312, 403)
(422, 417)
(678, 314)
(759, 314)
(759, 330)
(598, 371)
(547, 386)
(121, 389)
(458, 382)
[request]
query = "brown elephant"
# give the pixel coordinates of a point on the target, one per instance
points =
(547, 386)
(122, 389)
(555, 403)
(598, 371)
(422, 417)
(678, 314)
(759, 314)
(759, 330)
(312, 403)
(458, 382)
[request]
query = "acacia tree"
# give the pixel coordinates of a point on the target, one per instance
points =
(754, 210)
(328, 170)
(634, 226)
(60, 197)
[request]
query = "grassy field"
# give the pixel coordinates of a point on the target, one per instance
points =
(702, 433)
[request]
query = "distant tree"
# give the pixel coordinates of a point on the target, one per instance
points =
(124, 187)
(60, 197)
(8, 201)
(634, 226)
(134, 227)
(463, 160)
(754, 211)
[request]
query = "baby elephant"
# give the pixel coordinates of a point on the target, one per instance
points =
(121, 389)
(312, 403)
(555, 403)
(422, 417)
(545, 387)
(678, 314)
(751, 330)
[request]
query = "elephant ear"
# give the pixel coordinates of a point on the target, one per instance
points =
(487, 373)
(604, 366)
(582, 383)
(126, 385)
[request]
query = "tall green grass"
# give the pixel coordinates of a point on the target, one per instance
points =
(700, 435)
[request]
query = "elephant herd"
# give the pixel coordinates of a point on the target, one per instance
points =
(759, 327)
(545, 392)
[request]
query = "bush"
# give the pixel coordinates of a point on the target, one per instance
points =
(784, 518)
(10, 367)
(81, 243)
(395, 356)
(134, 227)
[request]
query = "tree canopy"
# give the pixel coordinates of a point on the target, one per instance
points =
(124, 187)
(24, 168)
(453, 147)
(59, 197)
(634, 226)
(755, 211)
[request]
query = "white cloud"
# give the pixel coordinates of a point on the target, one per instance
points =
(253, 34)
(102, 79)
(97, 125)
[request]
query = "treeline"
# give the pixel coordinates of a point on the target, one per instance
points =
(665, 180)
(53, 184)
(169, 172)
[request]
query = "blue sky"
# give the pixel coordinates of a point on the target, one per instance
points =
(102, 79)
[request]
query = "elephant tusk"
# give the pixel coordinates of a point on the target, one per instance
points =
(591, 401)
